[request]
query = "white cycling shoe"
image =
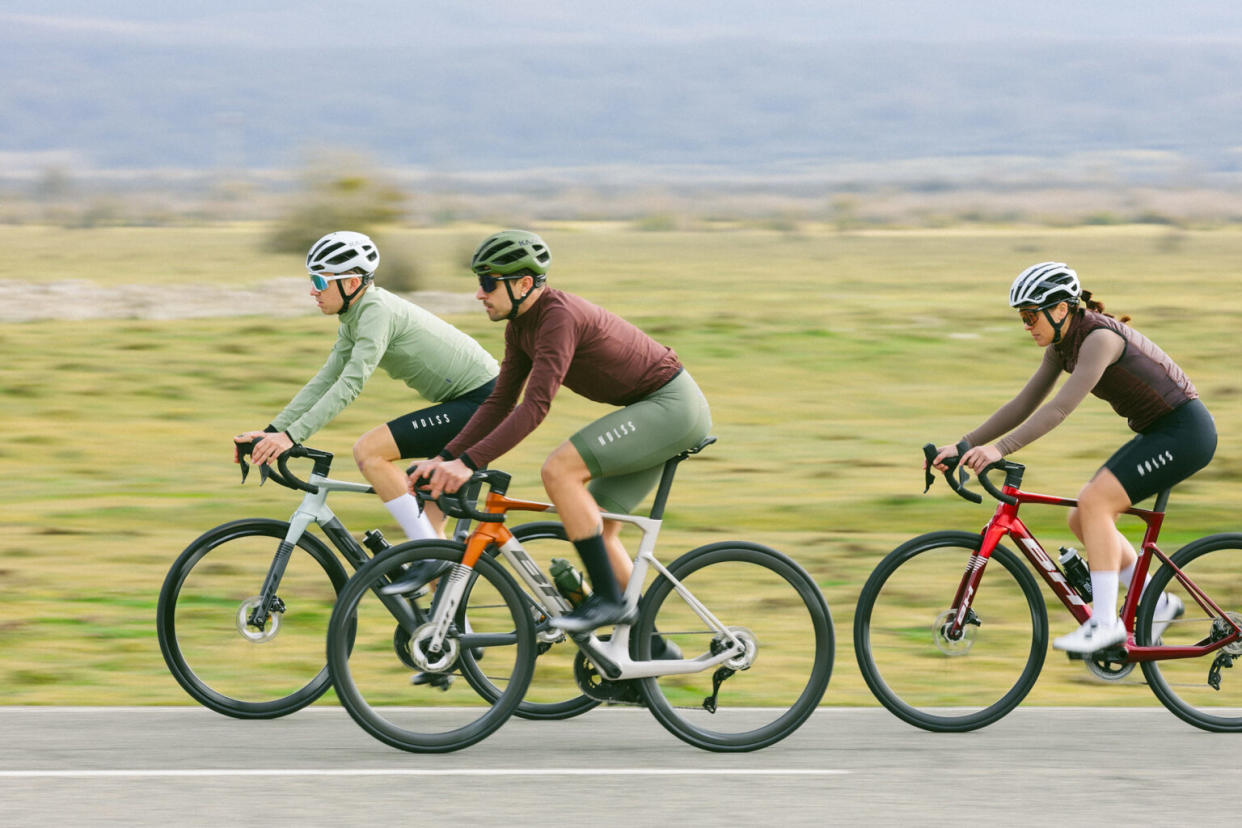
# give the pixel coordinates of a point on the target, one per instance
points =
(1095, 634)
(1169, 608)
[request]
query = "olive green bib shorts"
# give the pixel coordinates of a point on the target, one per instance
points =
(626, 449)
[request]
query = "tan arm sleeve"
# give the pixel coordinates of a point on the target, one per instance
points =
(1099, 350)
(1012, 413)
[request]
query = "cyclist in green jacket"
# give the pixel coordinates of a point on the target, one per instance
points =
(380, 329)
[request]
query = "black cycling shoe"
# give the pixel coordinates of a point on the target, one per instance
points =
(417, 576)
(440, 680)
(593, 613)
(664, 650)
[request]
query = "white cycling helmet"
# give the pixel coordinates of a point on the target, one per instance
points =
(1045, 284)
(343, 251)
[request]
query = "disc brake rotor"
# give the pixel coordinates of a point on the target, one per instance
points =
(750, 648)
(250, 633)
(959, 647)
(1234, 649)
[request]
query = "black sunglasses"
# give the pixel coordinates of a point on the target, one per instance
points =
(1030, 316)
(488, 282)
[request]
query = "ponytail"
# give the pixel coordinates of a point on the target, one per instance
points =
(1098, 307)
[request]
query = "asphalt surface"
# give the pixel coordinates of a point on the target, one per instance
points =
(191, 767)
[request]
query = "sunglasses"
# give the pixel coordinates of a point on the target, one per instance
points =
(1029, 316)
(488, 282)
(320, 282)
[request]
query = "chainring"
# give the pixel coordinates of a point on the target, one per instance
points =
(601, 689)
(1105, 668)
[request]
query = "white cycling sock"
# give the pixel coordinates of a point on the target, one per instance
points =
(1127, 574)
(415, 524)
(1104, 597)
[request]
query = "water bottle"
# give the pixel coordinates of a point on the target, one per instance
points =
(569, 581)
(1076, 571)
(375, 541)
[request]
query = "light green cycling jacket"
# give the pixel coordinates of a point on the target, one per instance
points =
(413, 345)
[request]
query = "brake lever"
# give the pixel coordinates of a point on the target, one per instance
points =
(264, 472)
(929, 476)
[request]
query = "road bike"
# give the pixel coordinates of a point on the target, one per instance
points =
(243, 612)
(945, 649)
(754, 626)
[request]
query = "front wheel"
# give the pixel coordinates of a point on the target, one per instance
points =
(766, 601)
(553, 693)
(216, 655)
(909, 662)
(1204, 691)
(393, 644)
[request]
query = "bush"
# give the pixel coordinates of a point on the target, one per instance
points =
(335, 195)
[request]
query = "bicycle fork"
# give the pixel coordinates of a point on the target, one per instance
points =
(268, 602)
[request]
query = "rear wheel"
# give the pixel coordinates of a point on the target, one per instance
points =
(553, 692)
(1204, 691)
(769, 604)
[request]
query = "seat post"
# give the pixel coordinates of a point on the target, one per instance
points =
(665, 487)
(666, 477)
(1162, 501)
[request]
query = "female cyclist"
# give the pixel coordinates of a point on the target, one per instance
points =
(1176, 435)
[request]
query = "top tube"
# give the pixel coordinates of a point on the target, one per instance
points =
(1010, 493)
(460, 504)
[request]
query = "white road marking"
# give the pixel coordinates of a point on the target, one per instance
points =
(210, 772)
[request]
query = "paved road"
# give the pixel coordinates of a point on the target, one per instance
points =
(191, 767)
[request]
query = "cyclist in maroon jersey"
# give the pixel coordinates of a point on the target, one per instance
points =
(553, 338)
(1176, 435)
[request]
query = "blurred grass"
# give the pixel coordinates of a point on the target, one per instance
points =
(828, 358)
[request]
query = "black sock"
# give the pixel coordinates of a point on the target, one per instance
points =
(595, 558)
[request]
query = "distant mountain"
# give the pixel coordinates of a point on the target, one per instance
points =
(728, 104)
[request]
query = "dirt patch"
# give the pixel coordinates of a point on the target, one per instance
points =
(80, 299)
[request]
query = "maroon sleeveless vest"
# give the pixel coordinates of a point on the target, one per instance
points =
(1143, 385)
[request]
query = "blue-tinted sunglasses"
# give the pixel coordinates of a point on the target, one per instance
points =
(320, 282)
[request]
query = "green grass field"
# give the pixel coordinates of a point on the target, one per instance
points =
(828, 358)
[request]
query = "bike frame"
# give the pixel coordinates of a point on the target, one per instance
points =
(314, 509)
(1005, 522)
(610, 657)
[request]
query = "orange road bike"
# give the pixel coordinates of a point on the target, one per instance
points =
(754, 628)
(946, 649)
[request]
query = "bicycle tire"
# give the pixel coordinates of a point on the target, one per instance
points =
(554, 674)
(770, 601)
(925, 680)
(372, 678)
(231, 669)
(1214, 564)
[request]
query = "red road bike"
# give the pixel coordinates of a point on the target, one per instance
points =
(945, 649)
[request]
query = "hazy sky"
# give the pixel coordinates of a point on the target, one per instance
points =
(194, 82)
(497, 24)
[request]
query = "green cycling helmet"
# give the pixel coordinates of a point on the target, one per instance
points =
(511, 254)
